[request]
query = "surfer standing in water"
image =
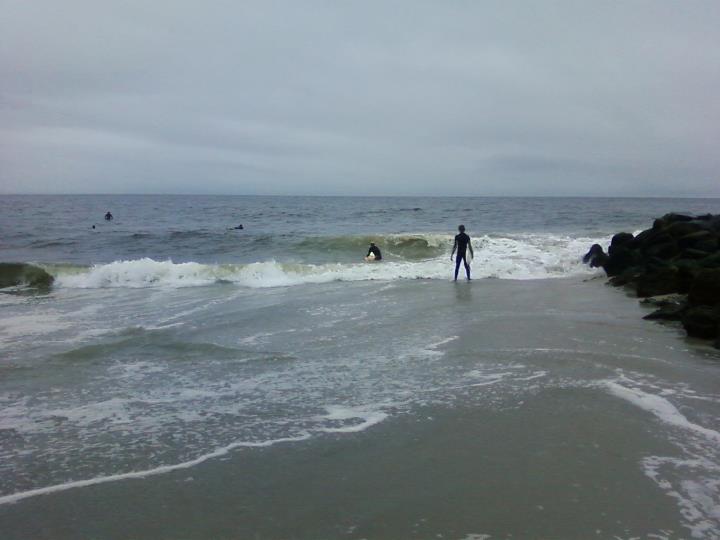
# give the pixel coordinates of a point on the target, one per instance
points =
(462, 244)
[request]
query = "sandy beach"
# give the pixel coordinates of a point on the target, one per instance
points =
(572, 418)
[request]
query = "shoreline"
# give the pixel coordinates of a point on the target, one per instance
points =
(534, 441)
(414, 476)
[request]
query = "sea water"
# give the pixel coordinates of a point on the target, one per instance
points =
(172, 344)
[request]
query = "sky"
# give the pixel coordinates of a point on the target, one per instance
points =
(522, 98)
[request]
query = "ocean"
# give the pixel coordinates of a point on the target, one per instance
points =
(184, 379)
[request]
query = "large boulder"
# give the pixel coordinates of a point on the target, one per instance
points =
(646, 237)
(621, 254)
(702, 321)
(626, 277)
(687, 270)
(666, 250)
(705, 288)
(596, 257)
(672, 312)
(672, 217)
(669, 307)
(690, 239)
(710, 261)
(690, 253)
(620, 261)
(683, 228)
(659, 281)
(620, 241)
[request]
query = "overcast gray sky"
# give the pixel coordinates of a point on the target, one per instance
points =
(304, 97)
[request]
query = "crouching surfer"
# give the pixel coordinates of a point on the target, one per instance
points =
(373, 253)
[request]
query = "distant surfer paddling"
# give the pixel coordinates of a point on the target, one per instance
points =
(373, 253)
(462, 244)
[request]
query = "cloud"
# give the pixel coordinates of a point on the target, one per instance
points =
(491, 98)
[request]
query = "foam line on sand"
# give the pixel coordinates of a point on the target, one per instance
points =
(163, 469)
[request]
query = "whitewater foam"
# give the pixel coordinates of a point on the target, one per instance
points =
(164, 469)
(697, 498)
(508, 257)
(367, 417)
(345, 416)
(659, 407)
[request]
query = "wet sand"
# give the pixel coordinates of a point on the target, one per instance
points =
(537, 459)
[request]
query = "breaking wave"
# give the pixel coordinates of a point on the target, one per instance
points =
(394, 246)
(24, 274)
(415, 257)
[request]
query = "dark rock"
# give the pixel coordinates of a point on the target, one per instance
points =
(705, 288)
(661, 281)
(626, 277)
(619, 281)
(690, 253)
(702, 321)
(683, 228)
(620, 240)
(667, 313)
(658, 237)
(686, 277)
(620, 261)
(645, 237)
(596, 257)
(670, 219)
(663, 251)
(665, 300)
(671, 307)
(708, 245)
(655, 263)
(673, 217)
(711, 261)
(680, 254)
(689, 240)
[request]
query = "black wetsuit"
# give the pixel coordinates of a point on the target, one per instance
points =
(462, 241)
(375, 251)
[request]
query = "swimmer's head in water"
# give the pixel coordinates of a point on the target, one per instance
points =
(461, 228)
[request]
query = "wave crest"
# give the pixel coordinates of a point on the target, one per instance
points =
(24, 274)
(505, 257)
(412, 247)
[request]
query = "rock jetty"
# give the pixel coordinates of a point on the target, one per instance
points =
(674, 266)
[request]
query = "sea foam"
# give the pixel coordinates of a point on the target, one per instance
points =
(527, 256)
(661, 408)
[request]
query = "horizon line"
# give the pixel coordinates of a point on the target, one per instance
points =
(20, 194)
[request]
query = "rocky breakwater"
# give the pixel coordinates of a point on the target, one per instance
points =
(674, 266)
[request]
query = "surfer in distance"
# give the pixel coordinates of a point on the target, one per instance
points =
(108, 216)
(375, 251)
(461, 245)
